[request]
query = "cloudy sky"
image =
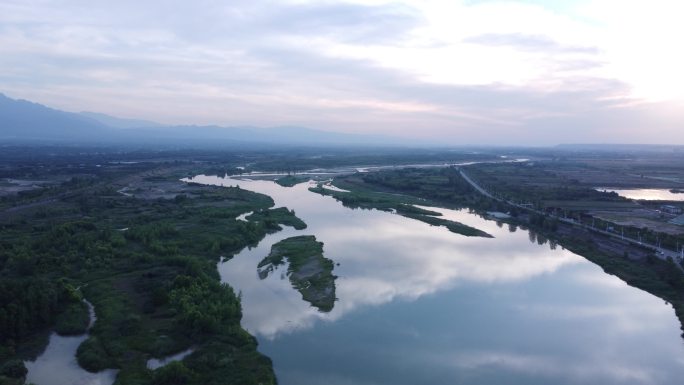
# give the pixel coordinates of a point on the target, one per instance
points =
(479, 71)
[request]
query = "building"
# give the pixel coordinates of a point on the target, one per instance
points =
(670, 209)
(678, 221)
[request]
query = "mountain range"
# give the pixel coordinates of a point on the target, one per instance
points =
(23, 121)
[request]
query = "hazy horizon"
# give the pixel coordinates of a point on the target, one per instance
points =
(457, 72)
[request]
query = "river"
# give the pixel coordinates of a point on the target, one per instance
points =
(645, 194)
(57, 365)
(418, 304)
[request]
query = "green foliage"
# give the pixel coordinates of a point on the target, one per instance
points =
(30, 304)
(73, 320)
(203, 305)
(309, 271)
(454, 227)
(439, 184)
(545, 222)
(13, 369)
(149, 233)
(405, 209)
(291, 180)
(175, 373)
(535, 183)
(272, 217)
(92, 356)
(230, 361)
(126, 256)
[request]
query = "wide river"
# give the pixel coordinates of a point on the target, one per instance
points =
(418, 304)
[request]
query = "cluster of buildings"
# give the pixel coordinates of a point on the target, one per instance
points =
(670, 209)
(675, 210)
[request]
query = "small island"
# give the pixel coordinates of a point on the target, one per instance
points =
(309, 271)
(402, 205)
(273, 218)
(453, 226)
(291, 180)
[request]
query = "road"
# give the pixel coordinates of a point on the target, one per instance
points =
(660, 252)
(477, 186)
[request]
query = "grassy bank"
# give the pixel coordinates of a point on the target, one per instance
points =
(309, 271)
(291, 180)
(271, 219)
(399, 203)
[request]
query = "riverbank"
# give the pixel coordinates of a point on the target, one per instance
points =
(149, 266)
(401, 204)
(635, 265)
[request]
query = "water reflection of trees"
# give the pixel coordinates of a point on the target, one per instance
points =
(538, 238)
(553, 244)
(541, 239)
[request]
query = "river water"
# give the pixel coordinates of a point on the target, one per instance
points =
(57, 365)
(646, 194)
(418, 304)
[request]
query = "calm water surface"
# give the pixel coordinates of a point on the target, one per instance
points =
(421, 305)
(58, 366)
(647, 194)
(156, 363)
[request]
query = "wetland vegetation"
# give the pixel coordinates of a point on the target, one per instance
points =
(402, 204)
(291, 180)
(121, 230)
(273, 218)
(308, 270)
(147, 265)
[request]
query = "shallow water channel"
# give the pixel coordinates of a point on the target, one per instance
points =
(57, 364)
(418, 304)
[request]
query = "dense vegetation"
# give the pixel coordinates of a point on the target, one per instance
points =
(148, 261)
(534, 183)
(309, 271)
(27, 305)
(149, 268)
(291, 180)
(271, 219)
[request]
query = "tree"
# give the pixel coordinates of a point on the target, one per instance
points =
(14, 369)
(175, 373)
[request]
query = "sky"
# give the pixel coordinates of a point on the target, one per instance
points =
(529, 72)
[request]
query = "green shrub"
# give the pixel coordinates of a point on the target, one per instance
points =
(92, 356)
(74, 320)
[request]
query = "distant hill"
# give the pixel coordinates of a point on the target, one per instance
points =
(24, 121)
(115, 122)
(617, 147)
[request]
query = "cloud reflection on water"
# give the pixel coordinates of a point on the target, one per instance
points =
(540, 365)
(383, 257)
(418, 304)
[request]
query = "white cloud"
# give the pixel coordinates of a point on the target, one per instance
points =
(432, 68)
(641, 40)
